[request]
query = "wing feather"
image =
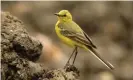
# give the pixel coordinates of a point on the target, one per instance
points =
(76, 35)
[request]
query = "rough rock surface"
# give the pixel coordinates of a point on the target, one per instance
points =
(19, 51)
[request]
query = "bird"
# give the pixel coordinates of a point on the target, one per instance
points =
(73, 35)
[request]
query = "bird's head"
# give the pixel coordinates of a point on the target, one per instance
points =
(64, 15)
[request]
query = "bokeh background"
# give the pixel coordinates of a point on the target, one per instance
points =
(109, 24)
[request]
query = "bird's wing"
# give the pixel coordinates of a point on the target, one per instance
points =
(89, 39)
(74, 32)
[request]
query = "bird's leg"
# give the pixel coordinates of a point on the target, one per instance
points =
(76, 52)
(71, 56)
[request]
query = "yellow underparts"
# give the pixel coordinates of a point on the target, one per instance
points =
(67, 40)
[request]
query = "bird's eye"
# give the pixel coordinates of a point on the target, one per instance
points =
(64, 15)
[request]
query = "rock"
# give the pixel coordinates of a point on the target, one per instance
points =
(19, 51)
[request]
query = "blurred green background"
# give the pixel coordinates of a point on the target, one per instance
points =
(109, 24)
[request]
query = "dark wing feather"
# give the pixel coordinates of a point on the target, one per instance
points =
(78, 36)
(89, 40)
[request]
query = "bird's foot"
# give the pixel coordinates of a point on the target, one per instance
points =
(69, 68)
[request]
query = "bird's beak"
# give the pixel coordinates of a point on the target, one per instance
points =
(57, 14)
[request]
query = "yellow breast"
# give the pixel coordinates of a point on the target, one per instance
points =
(66, 40)
(63, 38)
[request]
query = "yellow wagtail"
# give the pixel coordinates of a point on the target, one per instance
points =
(70, 33)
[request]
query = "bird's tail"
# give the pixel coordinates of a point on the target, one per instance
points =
(106, 63)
